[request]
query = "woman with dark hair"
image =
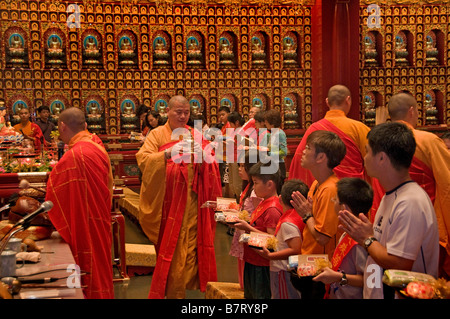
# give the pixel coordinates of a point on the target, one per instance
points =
(152, 119)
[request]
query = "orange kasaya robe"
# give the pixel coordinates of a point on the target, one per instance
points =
(353, 134)
(430, 168)
(171, 217)
(32, 130)
(80, 187)
(96, 139)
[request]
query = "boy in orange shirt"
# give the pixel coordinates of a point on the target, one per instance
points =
(323, 152)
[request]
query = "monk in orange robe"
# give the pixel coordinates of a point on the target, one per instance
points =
(29, 130)
(430, 168)
(80, 187)
(353, 133)
(172, 193)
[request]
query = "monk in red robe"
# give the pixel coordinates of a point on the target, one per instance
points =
(173, 189)
(353, 133)
(430, 168)
(30, 130)
(80, 187)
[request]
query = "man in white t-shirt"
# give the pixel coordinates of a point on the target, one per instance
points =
(404, 234)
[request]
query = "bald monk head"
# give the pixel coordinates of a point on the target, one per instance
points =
(178, 111)
(70, 122)
(403, 107)
(339, 98)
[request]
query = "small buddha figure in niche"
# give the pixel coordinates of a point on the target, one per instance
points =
(91, 51)
(91, 45)
(93, 110)
(16, 49)
(258, 54)
(126, 51)
(225, 47)
(290, 113)
(55, 51)
(126, 45)
(431, 50)
(193, 52)
(159, 46)
(161, 53)
(195, 108)
(162, 108)
(225, 52)
(401, 52)
(289, 52)
(57, 109)
(16, 43)
(128, 110)
(193, 46)
(55, 44)
(430, 109)
(369, 108)
(257, 103)
(370, 52)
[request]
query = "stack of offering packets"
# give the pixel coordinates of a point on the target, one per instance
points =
(416, 285)
(227, 211)
(259, 240)
(308, 265)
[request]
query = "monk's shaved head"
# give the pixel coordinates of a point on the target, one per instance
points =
(399, 105)
(177, 100)
(337, 94)
(74, 119)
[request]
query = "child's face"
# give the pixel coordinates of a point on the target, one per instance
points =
(261, 189)
(309, 156)
(44, 114)
(223, 116)
(242, 172)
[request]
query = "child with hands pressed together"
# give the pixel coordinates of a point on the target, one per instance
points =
(346, 277)
(323, 152)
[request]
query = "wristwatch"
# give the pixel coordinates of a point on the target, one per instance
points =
(306, 217)
(344, 280)
(369, 242)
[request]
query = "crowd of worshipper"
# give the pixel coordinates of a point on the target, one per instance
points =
(366, 204)
(357, 195)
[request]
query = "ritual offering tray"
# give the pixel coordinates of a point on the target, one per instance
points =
(231, 216)
(415, 285)
(259, 240)
(223, 203)
(308, 265)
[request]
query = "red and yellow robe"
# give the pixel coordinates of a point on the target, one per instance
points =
(32, 130)
(354, 136)
(171, 217)
(430, 168)
(80, 187)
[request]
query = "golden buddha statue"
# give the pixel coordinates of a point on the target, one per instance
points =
(55, 51)
(17, 49)
(258, 54)
(161, 52)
